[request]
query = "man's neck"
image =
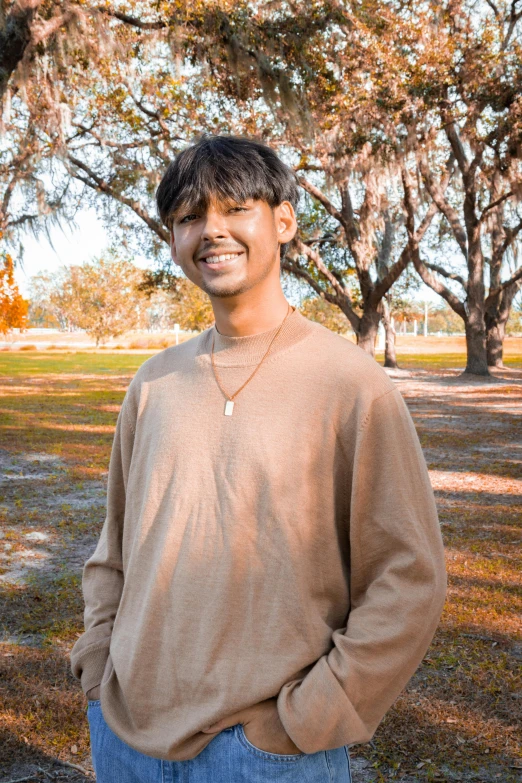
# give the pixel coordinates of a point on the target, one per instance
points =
(242, 322)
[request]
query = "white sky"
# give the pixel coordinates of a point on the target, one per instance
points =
(71, 246)
(87, 241)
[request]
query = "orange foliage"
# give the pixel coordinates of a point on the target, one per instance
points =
(13, 307)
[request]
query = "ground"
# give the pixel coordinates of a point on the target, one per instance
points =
(457, 718)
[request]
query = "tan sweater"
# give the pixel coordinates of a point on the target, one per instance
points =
(290, 550)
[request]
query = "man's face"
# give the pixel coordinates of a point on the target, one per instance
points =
(247, 234)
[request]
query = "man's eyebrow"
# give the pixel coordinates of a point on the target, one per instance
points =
(185, 207)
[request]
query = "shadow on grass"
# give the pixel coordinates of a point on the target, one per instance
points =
(41, 708)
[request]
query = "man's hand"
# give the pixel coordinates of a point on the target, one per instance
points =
(94, 693)
(262, 727)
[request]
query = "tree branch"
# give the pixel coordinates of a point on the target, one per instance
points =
(15, 37)
(494, 7)
(324, 200)
(494, 204)
(423, 271)
(514, 17)
(507, 283)
(384, 285)
(456, 144)
(314, 256)
(133, 21)
(445, 207)
(290, 266)
(511, 235)
(97, 183)
(445, 273)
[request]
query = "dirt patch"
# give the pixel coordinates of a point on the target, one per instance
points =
(43, 481)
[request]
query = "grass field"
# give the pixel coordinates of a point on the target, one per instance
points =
(456, 720)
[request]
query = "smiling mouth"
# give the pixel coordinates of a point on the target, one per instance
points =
(218, 261)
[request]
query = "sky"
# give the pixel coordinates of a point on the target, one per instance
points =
(70, 246)
(74, 246)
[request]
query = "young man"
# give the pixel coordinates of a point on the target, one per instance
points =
(271, 571)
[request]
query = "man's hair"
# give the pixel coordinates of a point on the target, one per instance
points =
(230, 168)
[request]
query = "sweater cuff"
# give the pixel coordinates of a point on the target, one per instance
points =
(92, 666)
(317, 714)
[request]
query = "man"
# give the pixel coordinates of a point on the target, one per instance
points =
(270, 572)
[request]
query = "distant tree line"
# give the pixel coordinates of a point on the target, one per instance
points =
(109, 296)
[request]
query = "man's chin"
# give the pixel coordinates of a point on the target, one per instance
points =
(224, 290)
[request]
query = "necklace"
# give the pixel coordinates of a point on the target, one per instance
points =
(229, 405)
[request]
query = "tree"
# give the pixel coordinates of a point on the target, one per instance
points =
(317, 309)
(100, 297)
(443, 319)
(138, 115)
(13, 307)
(49, 295)
(242, 69)
(473, 115)
(41, 35)
(398, 305)
(188, 306)
(353, 95)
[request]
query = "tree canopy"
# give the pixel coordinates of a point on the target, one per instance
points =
(402, 121)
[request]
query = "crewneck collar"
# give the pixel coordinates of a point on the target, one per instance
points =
(250, 349)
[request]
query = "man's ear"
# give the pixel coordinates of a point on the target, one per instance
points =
(173, 247)
(286, 223)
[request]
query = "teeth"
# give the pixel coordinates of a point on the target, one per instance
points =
(219, 259)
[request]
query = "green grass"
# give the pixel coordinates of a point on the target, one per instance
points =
(441, 361)
(38, 363)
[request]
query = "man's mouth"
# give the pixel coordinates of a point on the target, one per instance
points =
(221, 260)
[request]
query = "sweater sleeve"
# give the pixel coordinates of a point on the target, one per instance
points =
(102, 579)
(397, 589)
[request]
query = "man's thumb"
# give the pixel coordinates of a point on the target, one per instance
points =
(220, 725)
(213, 727)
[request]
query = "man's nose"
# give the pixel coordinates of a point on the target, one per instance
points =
(214, 226)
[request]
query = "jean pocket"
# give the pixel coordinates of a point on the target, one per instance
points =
(93, 702)
(284, 757)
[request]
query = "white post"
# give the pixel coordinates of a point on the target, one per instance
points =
(381, 337)
(425, 319)
(415, 327)
(176, 332)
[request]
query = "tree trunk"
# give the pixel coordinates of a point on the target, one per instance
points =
(495, 344)
(390, 359)
(498, 309)
(367, 332)
(476, 344)
(475, 323)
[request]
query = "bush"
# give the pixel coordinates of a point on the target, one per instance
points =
(28, 348)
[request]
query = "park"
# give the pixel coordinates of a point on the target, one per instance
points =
(402, 124)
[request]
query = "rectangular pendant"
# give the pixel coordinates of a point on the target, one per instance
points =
(229, 407)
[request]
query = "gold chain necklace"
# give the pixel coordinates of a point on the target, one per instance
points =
(229, 405)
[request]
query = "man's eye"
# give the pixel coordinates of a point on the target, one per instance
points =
(238, 209)
(187, 218)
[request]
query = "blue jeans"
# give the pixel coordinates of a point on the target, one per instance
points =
(228, 758)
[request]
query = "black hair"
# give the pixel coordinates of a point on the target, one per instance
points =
(232, 168)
